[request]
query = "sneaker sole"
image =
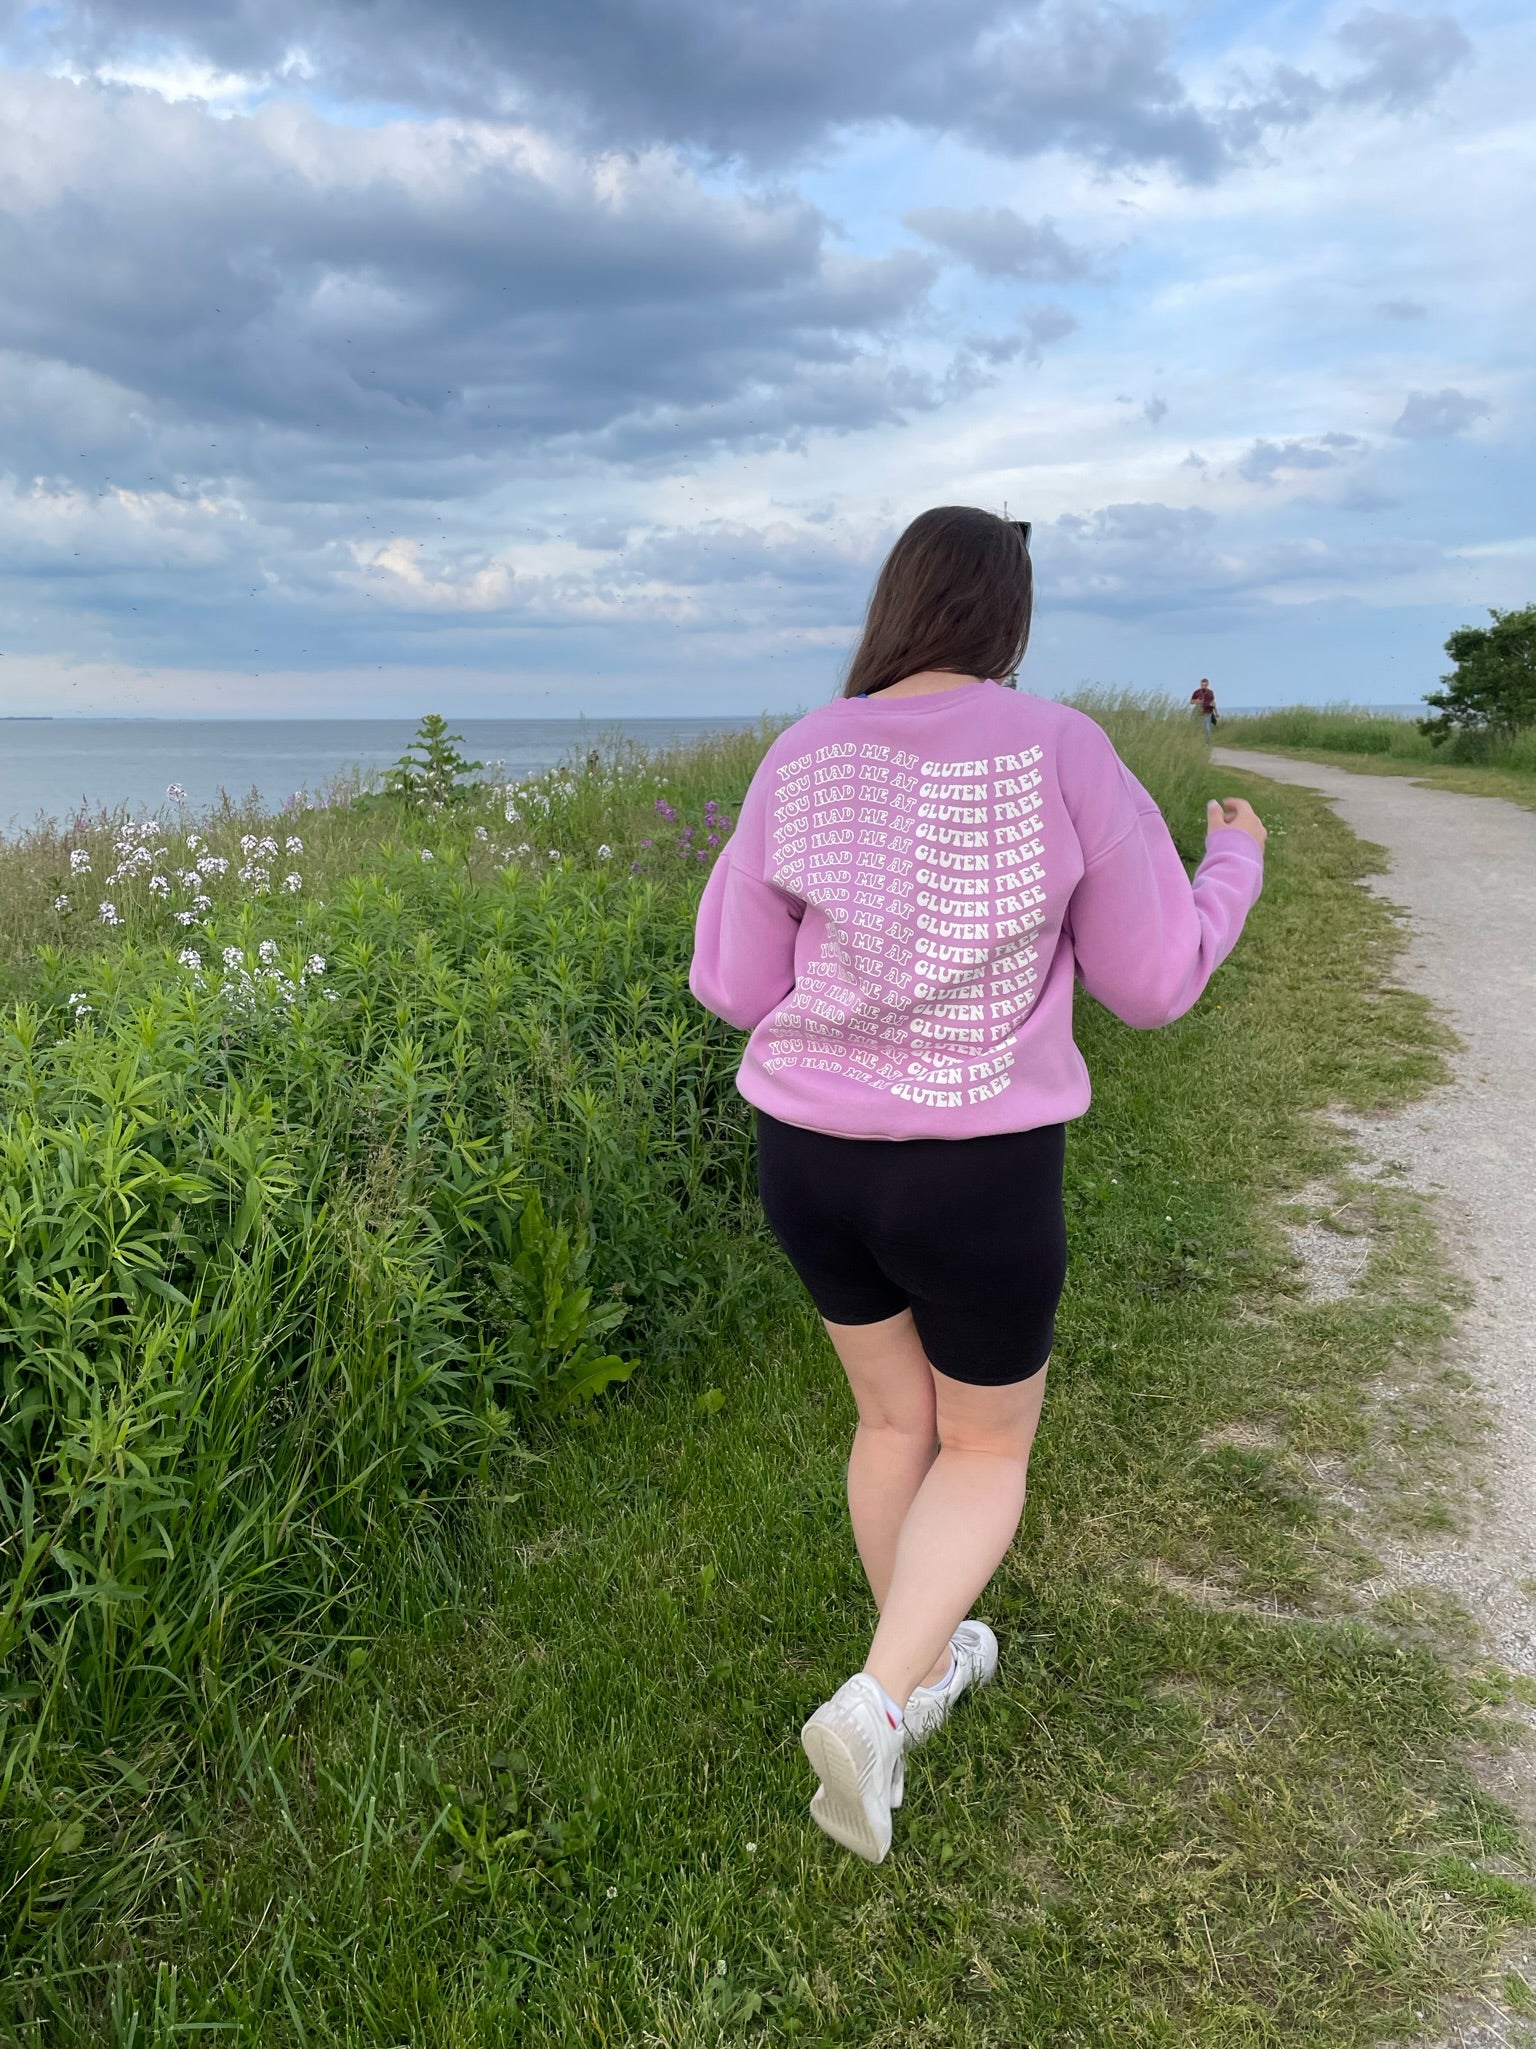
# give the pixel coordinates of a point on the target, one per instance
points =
(837, 1807)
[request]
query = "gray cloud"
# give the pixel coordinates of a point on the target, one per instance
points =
(756, 79)
(1400, 63)
(1436, 415)
(1000, 243)
(1155, 410)
(278, 293)
(1401, 309)
(1404, 59)
(1267, 459)
(1035, 329)
(1141, 559)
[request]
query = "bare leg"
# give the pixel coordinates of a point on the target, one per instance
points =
(958, 1528)
(896, 1441)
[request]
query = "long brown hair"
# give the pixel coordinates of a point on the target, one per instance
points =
(955, 593)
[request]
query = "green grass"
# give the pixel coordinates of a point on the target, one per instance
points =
(1369, 743)
(525, 1769)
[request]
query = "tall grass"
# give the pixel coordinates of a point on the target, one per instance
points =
(1356, 729)
(1161, 745)
(312, 1198)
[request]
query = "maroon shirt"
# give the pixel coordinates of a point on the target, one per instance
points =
(1205, 697)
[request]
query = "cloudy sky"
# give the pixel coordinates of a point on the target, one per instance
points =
(531, 358)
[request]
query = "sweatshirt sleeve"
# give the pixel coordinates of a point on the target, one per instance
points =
(1147, 939)
(744, 937)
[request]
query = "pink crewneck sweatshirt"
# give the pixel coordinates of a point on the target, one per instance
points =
(913, 884)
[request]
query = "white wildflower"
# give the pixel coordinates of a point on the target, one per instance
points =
(80, 861)
(195, 842)
(293, 844)
(176, 793)
(233, 957)
(247, 843)
(202, 903)
(605, 853)
(212, 864)
(426, 853)
(61, 903)
(189, 957)
(315, 965)
(481, 833)
(159, 886)
(186, 917)
(108, 914)
(78, 1004)
(267, 951)
(293, 884)
(554, 853)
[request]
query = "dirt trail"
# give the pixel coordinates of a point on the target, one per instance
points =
(1464, 869)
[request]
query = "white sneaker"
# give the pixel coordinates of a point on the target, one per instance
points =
(860, 1761)
(975, 1649)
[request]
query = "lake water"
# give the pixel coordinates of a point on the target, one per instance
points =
(56, 766)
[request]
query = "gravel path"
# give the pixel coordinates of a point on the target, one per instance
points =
(1464, 869)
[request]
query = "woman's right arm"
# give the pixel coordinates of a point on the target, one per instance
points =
(1147, 938)
(744, 938)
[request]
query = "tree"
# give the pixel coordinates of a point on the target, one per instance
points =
(1492, 688)
(428, 772)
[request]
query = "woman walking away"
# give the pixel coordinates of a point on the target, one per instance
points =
(919, 872)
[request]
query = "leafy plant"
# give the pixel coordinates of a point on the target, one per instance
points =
(432, 770)
(1492, 686)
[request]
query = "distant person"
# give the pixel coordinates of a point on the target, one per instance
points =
(1204, 701)
(919, 873)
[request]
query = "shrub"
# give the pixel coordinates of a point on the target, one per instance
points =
(432, 772)
(1491, 687)
(297, 1234)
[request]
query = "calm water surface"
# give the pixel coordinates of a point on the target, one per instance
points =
(59, 766)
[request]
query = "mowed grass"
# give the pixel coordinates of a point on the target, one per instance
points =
(1367, 743)
(1206, 1803)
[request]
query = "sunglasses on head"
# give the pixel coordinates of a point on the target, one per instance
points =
(1023, 528)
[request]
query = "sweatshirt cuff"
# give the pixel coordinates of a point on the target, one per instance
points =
(1222, 838)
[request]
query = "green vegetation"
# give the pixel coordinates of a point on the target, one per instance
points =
(420, 1486)
(1482, 762)
(1491, 688)
(433, 771)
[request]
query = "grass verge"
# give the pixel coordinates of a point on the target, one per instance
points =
(1366, 743)
(1206, 1805)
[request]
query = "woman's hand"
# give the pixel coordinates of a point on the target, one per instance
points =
(1238, 812)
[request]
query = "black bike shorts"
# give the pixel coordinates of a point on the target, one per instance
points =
(967, 1233)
